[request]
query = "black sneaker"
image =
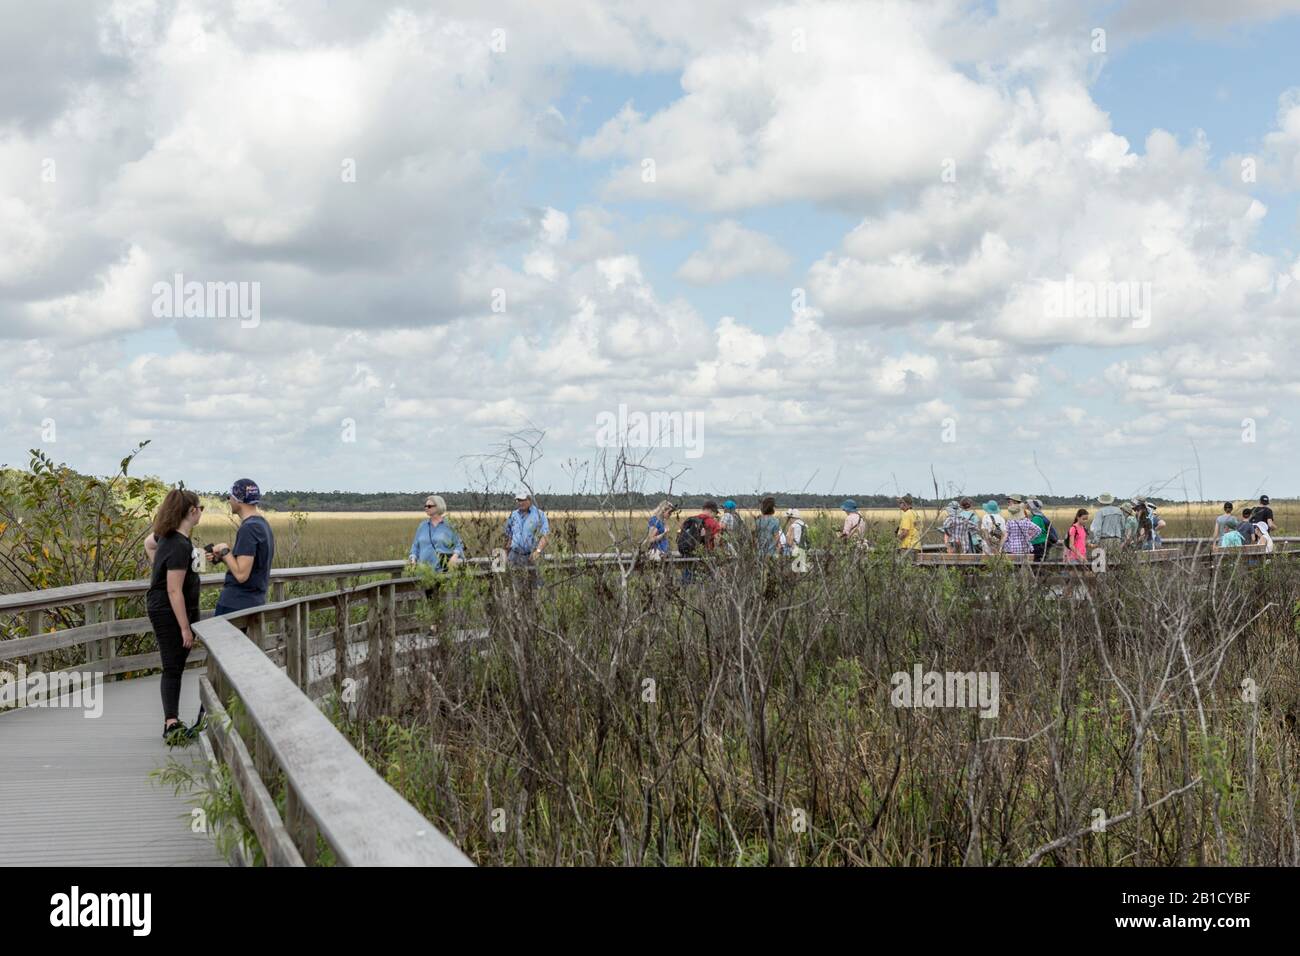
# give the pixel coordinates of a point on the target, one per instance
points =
(176, 734)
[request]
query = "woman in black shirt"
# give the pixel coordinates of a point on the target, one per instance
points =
(173, 599)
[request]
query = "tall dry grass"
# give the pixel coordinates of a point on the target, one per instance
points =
(617, 718)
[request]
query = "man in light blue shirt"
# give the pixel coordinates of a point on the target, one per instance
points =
(527, 531)
(1107, 528)
(436, 542)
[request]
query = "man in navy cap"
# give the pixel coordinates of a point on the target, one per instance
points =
(248, 563)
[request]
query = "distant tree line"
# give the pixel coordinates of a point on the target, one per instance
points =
(636, 501)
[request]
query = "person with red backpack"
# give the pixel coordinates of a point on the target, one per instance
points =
(698, 533)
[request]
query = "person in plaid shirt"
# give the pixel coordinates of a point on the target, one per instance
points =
(1021, 532)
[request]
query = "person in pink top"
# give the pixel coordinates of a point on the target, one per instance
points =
(1076, 538)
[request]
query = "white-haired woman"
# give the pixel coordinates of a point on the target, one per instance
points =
(439, 546)
(436, 542)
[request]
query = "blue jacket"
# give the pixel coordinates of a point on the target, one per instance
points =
(435, 545)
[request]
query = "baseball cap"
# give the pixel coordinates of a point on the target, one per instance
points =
(245, 490)
(1263, 499)
(522, 494)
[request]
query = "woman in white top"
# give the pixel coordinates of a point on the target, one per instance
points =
(793, 537)
(993, 527)
(1263, 537)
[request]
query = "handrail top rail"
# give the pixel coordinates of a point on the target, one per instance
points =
(367, 822)
(102, 590)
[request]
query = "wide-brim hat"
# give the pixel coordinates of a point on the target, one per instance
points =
(991, 507)
(1105, 498)
(848, 504)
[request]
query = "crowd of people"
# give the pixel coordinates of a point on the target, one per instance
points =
(1026, 529)
(1019, 526)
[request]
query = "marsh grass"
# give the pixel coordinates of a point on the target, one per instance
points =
(616, 718)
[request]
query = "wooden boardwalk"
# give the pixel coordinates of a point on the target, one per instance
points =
(76, 791)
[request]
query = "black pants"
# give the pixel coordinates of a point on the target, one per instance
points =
(167, 631)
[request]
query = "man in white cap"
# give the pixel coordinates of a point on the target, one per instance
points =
(527, 531)
(1107, 527)
(795, 531)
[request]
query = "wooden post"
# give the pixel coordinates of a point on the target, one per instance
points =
(295, 658)
(262, 758)
(101, 652)
(302, 828)
(375, 676)
(341, 608)
(390, 635)
(36, 625)
(254, 630)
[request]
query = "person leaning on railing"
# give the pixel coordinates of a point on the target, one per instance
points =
(172, 601)
(436, 542)
(526, 533)
(438, 546)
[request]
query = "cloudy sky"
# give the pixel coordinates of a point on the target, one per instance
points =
(856, 242)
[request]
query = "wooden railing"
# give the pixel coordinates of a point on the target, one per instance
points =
(330, 791)
(97, 605)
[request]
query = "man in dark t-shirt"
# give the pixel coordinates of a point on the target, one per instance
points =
(1247, 528)
(1263, 513)
(248, 563)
